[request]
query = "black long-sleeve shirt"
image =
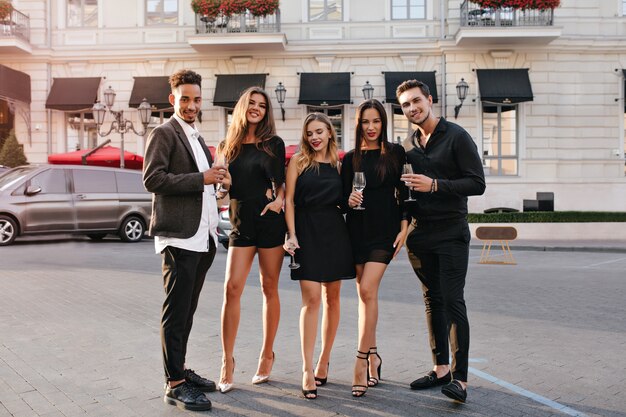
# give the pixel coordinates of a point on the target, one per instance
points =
(452, 158)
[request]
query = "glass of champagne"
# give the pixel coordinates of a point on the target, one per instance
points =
(220, 160)
(408, 169)
(293, 264)
(359, 185)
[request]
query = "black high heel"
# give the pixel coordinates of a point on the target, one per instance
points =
(373, 381)
(309, 394)
(322, 381)
(359, 390)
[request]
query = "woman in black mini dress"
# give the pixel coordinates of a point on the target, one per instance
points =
(318, 236)
(256, 162)
(377, 232)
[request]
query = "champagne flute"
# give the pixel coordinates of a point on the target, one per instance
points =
(359, 185)
(293, 264)
(408, 169)
(220, 160)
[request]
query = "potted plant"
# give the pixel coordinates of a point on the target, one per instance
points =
(518, 4)
(5, 9)
(208, 9)
(231, 7)
(262, 7)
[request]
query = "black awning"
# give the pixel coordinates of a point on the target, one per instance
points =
(154, 89)
(14, 84)
(73, 94)
(324, 88)
(230, 86)
(394, 79)
(504, 86)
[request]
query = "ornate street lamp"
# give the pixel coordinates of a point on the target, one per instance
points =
(281, 91)
(461, 92)
(120, 125)
(368, 91)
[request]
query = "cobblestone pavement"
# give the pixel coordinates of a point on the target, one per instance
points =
(79, 336)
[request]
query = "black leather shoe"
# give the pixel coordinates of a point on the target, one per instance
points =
(430, 380)
(187, 397)
(455, 391)
(203, 384)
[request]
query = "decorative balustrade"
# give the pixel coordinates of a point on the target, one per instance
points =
(472, 15)
(16, 25)
(238, 23)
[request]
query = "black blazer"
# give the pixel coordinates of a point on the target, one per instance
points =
(170, 172)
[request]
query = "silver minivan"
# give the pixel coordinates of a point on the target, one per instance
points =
(95, 201)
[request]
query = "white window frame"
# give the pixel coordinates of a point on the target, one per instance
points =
(81, 7)
(408, 10)
(498, 142)
(163, 15)
(343, 11)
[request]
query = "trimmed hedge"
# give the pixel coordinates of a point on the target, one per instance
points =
(548, 217)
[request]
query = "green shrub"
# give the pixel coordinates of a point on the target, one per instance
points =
(548, 217)
(12, 154)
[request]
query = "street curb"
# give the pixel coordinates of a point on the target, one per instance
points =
(540, 248)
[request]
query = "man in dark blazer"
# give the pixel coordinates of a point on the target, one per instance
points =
(178, 171)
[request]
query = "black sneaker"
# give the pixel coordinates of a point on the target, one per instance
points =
(187, 397)
(430, 380)
(203, 384)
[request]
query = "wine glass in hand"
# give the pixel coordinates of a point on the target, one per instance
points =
(408, 169)
(220, 161)
(290, 247)
(359, 185)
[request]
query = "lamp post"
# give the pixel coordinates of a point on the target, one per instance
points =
(461, 92)
(120, 125)
(368, 91)
(281, 91)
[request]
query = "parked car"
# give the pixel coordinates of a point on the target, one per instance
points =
(223, 225)
(89, 200)
(3, 169)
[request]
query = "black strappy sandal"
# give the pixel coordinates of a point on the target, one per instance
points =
(359, 390)
(373, 381)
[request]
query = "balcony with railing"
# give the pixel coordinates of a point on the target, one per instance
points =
(238, 31)
(15, 33)
(504, 25)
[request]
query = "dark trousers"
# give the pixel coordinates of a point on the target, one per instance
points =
(184, 272)
(439, 254)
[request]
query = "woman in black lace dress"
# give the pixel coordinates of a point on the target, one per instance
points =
(256, 162)
(377, 232)
(318, 236)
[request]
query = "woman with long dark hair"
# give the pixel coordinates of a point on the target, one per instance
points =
(378, 231)
(318, 237)
(256, 162)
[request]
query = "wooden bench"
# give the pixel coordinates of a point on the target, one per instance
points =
(501, 234)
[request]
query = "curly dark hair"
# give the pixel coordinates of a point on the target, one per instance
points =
(185, 76)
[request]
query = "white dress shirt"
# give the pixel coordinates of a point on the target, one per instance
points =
(208, 220)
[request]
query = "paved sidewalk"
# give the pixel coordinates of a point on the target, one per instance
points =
(79, 337)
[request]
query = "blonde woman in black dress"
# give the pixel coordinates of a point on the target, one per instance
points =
(318, 237)
(378, 232)
(256, 162)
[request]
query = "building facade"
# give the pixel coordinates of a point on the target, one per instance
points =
(545, 103)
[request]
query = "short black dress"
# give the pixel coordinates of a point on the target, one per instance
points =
(373, 230)
(324, 254)
(252, 173)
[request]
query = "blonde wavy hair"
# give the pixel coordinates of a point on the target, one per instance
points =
(305, 159)
(266, 129)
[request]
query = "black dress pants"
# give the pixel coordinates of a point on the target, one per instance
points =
(184, 272)
(439, 254)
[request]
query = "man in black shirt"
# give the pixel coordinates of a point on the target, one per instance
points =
(446, 169)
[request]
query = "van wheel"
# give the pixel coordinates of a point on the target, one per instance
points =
(8, 230)
(96, 236)
(132, 229)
